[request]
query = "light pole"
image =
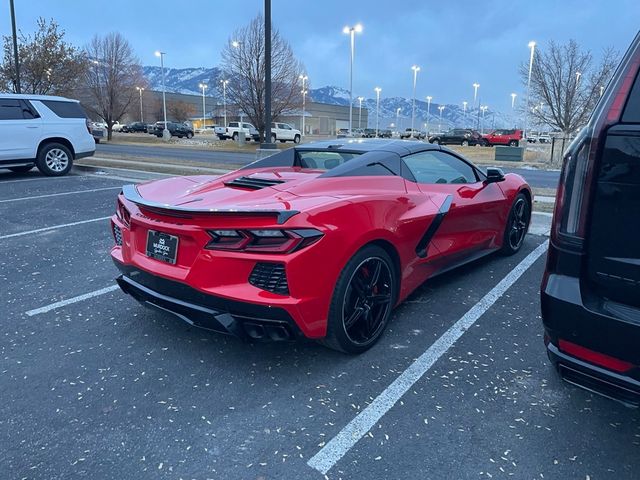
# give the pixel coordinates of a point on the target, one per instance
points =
(415, 69)
(513, 108)
(378, 90)
(203, 86)
(476, 86)
(398, 118)
(484, 109)
(224, 99)
(441, 108)
(360, 99)
(532, 46)
(601, 90)
(304, 78)
(140, 90)
(428, 110)
(464, 114)
(352, 31)
(165, 133)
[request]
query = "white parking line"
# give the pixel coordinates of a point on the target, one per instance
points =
(339, 445)
(55, 227)
(33, 197)
(69, 301)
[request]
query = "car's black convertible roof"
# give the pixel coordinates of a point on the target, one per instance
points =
(363, 145)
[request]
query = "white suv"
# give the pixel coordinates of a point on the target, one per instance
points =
(284, 132)
(45, 131)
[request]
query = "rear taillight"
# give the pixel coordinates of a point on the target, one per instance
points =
(576, 179)
(596, 358)
(123, 214)
(263, 240)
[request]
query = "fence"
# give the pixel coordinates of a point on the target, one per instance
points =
(558, 146)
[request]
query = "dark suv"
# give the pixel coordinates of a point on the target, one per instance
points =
(175, 129)
(457, 136)
(134, 127)
(590, 292)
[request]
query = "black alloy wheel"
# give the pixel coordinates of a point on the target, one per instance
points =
(362, 302)
(517, 225)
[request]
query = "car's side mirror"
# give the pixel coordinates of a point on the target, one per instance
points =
(494, 175)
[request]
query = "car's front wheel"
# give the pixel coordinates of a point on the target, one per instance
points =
(517, 225)
(54, 160)
(435, 142)
(465, 143)
(362, 301)
(296, 139)
(189, 135)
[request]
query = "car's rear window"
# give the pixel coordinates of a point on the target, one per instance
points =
(65, 109)
(323, 160)
(632, 110)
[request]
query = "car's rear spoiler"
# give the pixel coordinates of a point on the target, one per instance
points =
(131, 193)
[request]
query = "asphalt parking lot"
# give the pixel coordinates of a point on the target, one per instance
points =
(95, 386)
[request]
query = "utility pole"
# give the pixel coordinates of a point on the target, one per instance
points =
(267, 74)
(15, 47)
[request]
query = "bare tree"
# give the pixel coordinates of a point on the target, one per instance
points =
(112, 78)
(243, 64)
(48, 64)
(566, 84)
(180, 111)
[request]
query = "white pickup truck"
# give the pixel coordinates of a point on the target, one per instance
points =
(284, 132)
(233, 130)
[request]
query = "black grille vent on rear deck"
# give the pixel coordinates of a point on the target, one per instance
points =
(253, 183)
(270, 277)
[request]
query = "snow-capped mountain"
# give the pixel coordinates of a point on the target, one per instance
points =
(187, 80)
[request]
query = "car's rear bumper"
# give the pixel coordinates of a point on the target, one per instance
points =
(568, 315)
(242, 319)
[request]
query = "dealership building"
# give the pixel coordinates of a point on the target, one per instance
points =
(319, 118)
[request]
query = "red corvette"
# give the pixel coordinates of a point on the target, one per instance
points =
(321, 240)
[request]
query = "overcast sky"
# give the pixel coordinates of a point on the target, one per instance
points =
(456, 43)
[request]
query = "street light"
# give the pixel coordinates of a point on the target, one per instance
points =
(415, 69)
(476, 86)
(304, 78)
(165, 132)
(532, 46)
(140, 90)
(398, 118)
(441, 108)
(601, 90)
(513, 106)
(360, 99)
(203, 86)
(352, 32)
(224, 99)
(428, 110)
(378, 90)
(464, 114)
(484, 109)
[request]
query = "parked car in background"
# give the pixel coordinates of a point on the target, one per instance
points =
(412, 133)
(544, 138)
(117, 126)
(43, 131)
(234, 129)
(208, 129)
(98, 131)
(358, 132)
(386, 133)
(503, 137)
(457, 136)
(284, 132)
(369, 133)
(590, 294)
(175, 129)
(134, 127)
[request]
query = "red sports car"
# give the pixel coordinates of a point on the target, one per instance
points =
(320, 241)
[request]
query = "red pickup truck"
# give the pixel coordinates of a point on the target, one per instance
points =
(503, 137)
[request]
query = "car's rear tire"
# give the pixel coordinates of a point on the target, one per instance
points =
(22, 169)
(362, 301)
(517, 225)
(435, 142)
(296, 139)
(189, 135)
(54, 160)
(465, 143)
(234, 137)
(273, 138)
(513, 143)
